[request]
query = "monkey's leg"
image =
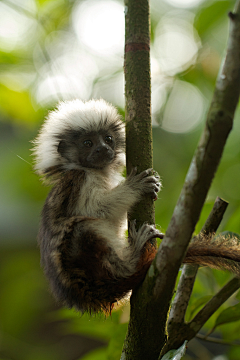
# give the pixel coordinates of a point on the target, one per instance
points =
(126, 264)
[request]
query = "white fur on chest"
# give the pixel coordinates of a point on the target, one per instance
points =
(98, 201)
(94, 190)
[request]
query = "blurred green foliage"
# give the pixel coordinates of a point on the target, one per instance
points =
(32, 325)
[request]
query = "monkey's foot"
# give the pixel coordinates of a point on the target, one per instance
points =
(145, 233)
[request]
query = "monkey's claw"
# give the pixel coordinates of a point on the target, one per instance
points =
(145, 233)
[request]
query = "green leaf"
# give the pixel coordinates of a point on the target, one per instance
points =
(176, 354)
(198, 303)
(228, 315)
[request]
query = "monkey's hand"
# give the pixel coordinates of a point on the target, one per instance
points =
(144, 182)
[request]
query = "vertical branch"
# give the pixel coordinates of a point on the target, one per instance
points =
(138, 145)
(138, 97)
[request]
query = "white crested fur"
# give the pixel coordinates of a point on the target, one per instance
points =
(74, 114)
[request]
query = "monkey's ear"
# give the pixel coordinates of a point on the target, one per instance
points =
(62, 147)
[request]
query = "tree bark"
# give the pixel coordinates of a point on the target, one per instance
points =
(138, 138)
(138, 98)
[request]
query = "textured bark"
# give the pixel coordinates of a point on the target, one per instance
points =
(138, 148)
(138, 98)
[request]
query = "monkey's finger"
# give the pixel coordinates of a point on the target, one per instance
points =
(159, 236)
(152, 179)
(144, 174)
(155, 173)
(154, 196)
(154, 233)
(152, 184)
(134, 170)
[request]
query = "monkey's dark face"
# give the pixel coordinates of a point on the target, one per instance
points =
(88, 149)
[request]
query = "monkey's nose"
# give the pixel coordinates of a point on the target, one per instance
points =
(102, 149)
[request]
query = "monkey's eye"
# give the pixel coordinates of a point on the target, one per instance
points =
(108, 139)
(88, 143)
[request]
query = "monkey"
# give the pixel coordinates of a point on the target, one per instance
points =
(90, 265)
(89, 261)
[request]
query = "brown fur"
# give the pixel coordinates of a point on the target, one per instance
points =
(219, 253)
(73, 256)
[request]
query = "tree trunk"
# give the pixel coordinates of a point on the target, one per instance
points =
(138, 98)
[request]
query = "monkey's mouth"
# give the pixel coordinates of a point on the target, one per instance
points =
(98, 161)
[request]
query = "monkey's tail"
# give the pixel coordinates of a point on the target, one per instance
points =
(221, 253)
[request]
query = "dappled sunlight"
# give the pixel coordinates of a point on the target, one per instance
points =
(73, 66)
(69, 61)
(19, 79)
(16, 28)
(69, 75)
(176, 44)
(100, 26)
(116, 84)
(67, 72)
(184, 109)
(184, 3)
(56, 88)
(175, 49)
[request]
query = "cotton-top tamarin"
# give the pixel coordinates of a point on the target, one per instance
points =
(87, 259)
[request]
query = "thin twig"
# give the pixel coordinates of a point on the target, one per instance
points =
(217, 341)
(184, 291)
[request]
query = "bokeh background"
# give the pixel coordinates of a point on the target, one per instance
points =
(52, 50)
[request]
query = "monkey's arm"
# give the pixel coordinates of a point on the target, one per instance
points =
(126, 194)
